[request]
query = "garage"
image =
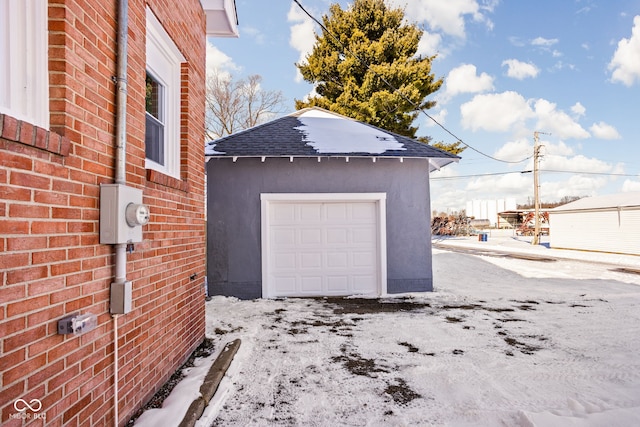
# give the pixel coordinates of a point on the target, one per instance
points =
(323, 244)
(316, 204)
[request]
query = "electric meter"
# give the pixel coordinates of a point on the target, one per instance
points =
(137, 214)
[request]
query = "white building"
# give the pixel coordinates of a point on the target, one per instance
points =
(489, 209)
(608, 223)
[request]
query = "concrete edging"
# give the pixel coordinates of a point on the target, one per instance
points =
(211, 382)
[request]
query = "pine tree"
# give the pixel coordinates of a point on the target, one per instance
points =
(376, 50)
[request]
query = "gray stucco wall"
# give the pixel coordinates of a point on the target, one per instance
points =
(233, 213)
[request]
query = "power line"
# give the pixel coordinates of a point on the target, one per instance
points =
(417, 108)
(444, 178)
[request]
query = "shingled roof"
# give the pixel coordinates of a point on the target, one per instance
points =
(314, 132)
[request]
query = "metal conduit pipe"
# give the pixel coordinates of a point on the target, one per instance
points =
(120, 169)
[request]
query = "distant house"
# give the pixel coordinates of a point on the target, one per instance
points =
(69, 161)
(609, 223)
(316, 204)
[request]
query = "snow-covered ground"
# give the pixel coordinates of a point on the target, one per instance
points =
(500, 342)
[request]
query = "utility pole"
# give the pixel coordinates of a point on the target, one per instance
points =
(536, 185)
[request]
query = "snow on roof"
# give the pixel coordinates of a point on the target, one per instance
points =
(622, 200)
(329, 133)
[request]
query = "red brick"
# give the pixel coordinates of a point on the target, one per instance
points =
(48, 227)
(45, 374)
(66, 213)
(25, 306)
(14, 227)
(48, 257)
(28, 211)
(50, 198)
(73, 411)
(47, 315)
(15, 193)
(13, 260)
(64, 241)
(64, 295)
(27, 134)
(26, 243)
(10, 327)
(15, 161)
(22, 370)
(10, 128)
(21, 179)
(27, 274)
(65, 268)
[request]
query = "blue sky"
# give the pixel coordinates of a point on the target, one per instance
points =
(569, 68)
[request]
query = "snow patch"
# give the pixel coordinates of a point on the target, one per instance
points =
(329, 133)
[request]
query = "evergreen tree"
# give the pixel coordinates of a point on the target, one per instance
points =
(376, 49)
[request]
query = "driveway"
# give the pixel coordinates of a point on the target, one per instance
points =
(489, 347)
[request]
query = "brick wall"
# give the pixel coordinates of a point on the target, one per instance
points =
(51, 261)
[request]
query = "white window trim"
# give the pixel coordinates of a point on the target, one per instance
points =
(164, 61)
(24, 61)
(381, 202)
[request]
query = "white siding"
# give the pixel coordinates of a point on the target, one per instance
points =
(609, 230)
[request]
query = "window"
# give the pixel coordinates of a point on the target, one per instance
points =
(162, 100)
(24, 75)
(154, 123)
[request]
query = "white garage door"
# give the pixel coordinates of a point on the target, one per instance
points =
(322, 244)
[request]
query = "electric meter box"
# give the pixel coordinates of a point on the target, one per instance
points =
(122, 214)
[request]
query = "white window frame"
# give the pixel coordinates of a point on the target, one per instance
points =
(266, 199)
(24, 61)
(164, 61)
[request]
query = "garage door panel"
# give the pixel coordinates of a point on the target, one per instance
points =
(337, 236)
(363, 259)
(309, 213)
(285, 261)
(364, 212)
(323, 248)
(336, 212)
(363, 236)
(284, 285)
(338, 283)
(282, 213)
(310, 236)
(338, 260)
(311, 284)
(282, 237)
(364, 283)
(310, 260)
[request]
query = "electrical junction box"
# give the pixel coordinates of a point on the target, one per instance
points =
(122, 214)
(121, 294)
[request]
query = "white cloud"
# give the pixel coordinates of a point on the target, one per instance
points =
(446, 16)
(520, 70)
(511, 184)
(541, 41)
(513, 151)
(578, 110)
(429, 45)
(557, 122)
(219, 61)
(629, 186)
(255, 34)
(302, 34)
(603, 130)
(464, 79)
(440, 116)
(625, 64)
(499, 112)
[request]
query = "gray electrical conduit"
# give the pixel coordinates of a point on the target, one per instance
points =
(120, 170)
